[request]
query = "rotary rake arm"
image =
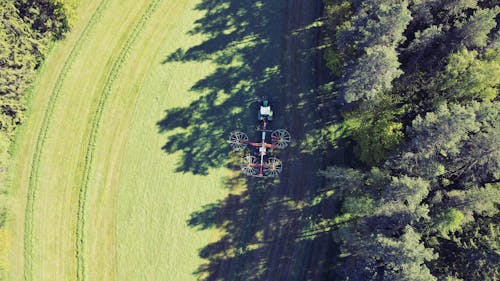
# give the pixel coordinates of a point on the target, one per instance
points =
(265, 165)
(279, 139)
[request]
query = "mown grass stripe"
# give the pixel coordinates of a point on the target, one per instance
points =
(89, 156)
(33, 179)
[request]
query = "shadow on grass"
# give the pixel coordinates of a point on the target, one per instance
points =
(243, 44)
(271, 229)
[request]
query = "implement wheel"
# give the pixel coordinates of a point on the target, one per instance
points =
(249, 165)
(281, 138)
(273, 167)
(238, 141)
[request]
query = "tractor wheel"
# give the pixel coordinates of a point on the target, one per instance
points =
(248, 165)
(238, 141)
(273, 167)
(281, 138)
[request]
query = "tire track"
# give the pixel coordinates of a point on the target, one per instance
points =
(89, 156)
(33, 178)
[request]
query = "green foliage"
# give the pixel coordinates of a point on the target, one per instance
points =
(440, 30)
(357, 206)
(456, 142)
(425, 38)
(472, 253)
(468, 78)
(25, 29)
(481, 201)
(374, 130)
(406, 195)
(404, 258)
(375, 23)
(50, 18)
(456, 149)
(338, 14)
(448, 221)
(456, 8)
(370, 39)
(19, 54)
(380, 241)
(375, 139)
(24, 36)
(371, 74)
(401, 258)
(475, 31)
(385, 222)
(333, 61)
(428, 107)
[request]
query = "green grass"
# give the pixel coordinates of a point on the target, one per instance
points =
(82, 196)
(96, 197)
(28, 232)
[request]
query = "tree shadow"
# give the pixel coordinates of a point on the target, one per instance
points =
(269, 227)
(243, 43)
(266, 237)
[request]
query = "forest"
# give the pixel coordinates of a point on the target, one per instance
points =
(418, 84)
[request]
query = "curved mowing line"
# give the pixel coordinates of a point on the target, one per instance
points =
(89, 156)
(33, 178)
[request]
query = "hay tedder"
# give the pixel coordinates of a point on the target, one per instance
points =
(262, 162)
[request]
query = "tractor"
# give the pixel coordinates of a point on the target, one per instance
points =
(262, 163)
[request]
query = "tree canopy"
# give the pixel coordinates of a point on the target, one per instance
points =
(418, 82)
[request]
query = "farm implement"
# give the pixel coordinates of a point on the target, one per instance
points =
(262, 162)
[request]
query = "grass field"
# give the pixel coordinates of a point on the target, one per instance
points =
(121, 171)
(94, 195)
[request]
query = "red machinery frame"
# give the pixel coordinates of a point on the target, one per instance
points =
(268, 165)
